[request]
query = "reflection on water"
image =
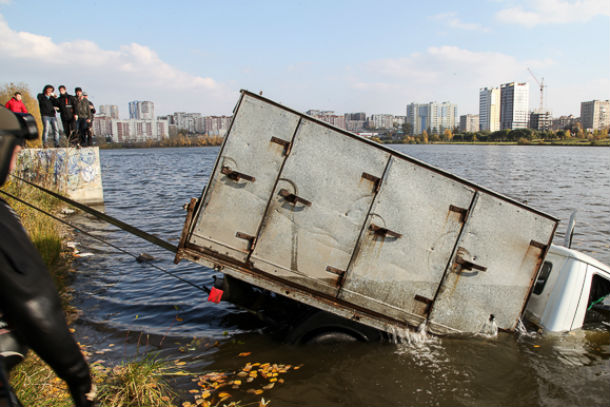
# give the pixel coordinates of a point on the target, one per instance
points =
(136, 308)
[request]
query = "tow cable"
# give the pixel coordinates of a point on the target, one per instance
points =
(100, 215)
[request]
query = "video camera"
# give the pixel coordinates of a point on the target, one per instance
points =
(15, 128)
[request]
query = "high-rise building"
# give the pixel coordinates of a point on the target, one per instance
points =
(595, 115)
(489, 109)
(355, 121)
(469, 123)
(514, 105)
(111, 111)
(141, 110)
(541, 121)
(382, 121)
(433, 117)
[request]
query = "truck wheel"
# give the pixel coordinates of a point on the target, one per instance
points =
(324, 327)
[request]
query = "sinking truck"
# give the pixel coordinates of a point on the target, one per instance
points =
(369, 236)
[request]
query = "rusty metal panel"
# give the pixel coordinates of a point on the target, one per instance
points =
(246, 171)
(398, 274)
(493, 267)
(318, 207)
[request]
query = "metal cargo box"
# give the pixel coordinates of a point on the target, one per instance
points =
(312, 212)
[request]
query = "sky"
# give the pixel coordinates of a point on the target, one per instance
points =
(347, 56)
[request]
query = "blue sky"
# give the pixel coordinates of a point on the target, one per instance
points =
(347, 56)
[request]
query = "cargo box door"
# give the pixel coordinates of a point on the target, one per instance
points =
(407, 242)
(493, 268)
(237, 194)
(318, 207)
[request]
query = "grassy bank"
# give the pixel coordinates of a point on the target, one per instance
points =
(139, 382)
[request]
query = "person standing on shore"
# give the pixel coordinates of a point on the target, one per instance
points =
(15, 104)
(82, 115)
(66, 112)
(47, 101)
(31, 314)
(90, 127)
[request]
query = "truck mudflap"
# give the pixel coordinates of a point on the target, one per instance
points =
(331, 219)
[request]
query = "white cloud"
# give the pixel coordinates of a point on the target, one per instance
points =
(554, 12)
(134, 71)
(453, 21)
(444, 73)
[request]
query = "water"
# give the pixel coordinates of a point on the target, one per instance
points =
(135, 308)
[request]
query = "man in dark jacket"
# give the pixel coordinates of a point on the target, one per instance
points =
(82, 115)
(66, 112)
(30, 308)
(47, 101)
(90, 127)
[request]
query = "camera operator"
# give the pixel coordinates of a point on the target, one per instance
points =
(30, 309)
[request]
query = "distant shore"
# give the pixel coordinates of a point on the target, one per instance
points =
(218, 141)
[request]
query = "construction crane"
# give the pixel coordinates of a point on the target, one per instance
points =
(541, 85)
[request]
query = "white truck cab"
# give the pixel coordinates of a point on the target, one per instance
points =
(571, 290)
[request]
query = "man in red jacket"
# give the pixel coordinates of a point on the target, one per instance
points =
(15, 104)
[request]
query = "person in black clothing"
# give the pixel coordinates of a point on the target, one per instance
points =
(66, 112)
(30, 309)
(47, 101)
(89, 131)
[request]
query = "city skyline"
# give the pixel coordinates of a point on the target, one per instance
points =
(314, 55)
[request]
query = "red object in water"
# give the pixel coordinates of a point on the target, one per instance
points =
(215, 295)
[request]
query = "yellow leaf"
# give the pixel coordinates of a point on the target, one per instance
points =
(187, 404)
(273, 379)
(180, 363)
(179, 319)
(237, 382)
(223, 396)
(269, 386)
(72, 330)
(194, 391)
(244, 354)
(205, 394)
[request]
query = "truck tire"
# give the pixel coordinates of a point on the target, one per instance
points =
(324, 327)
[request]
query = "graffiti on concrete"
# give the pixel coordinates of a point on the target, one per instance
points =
(74, 172)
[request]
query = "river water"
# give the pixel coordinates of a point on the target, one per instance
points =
(131, 308)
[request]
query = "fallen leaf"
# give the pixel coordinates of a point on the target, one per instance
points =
(269, 386)
(180, 363)
(223, 396)
(242, 374)
(244, 354)
(194, 391)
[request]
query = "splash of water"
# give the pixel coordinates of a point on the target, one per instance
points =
(407, 336)
(489, 328)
